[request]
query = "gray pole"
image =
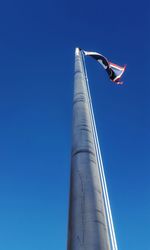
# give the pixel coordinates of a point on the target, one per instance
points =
(87, 219)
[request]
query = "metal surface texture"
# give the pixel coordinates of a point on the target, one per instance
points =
(87, 228)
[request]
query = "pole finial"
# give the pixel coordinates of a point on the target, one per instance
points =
(77, 51)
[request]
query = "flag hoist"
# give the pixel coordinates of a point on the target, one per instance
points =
(90, 219)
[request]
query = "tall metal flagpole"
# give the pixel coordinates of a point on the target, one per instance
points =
(101, 169)
(88, 228)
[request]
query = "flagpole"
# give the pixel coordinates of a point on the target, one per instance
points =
(101, 168)
(87, 228)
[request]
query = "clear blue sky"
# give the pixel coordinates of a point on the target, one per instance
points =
(37, 42)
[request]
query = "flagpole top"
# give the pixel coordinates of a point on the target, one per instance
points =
(77, 51)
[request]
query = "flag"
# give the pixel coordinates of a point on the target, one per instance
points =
(114, 71)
